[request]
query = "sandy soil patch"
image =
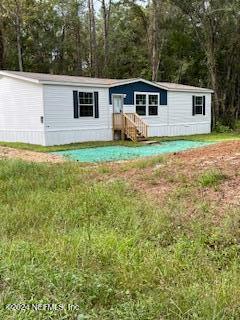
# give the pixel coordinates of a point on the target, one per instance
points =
(32, 156)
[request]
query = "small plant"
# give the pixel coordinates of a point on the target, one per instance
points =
(147, 162)
(105, 169)
(211, 178)
(221, 128)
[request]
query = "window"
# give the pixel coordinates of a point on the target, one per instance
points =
(86, 104)
(147, 104)
(198, 105)
(141, 104)
(153, 105)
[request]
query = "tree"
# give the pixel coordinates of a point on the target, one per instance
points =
(209, 20)
(154, 40)
(92, 39)
(189, 41)
(106, 11)
(14, 10)
(152, 18)
(1, 44)
(77, 28)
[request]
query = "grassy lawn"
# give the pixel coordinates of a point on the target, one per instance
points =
(72, 146)
(68, 237)
(201, 137)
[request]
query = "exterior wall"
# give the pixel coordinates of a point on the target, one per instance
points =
(130, 89)
(21, 109)
(158, 125)
(181, 120)
(22, 104)
(176, 118)
(60, 125)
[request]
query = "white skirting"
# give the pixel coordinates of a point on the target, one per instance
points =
(66, 136)
(58, 137)
(32, 137)
(179, 129)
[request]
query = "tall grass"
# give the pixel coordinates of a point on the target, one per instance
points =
(66, 238)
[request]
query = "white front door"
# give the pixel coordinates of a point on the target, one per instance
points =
(117, 101)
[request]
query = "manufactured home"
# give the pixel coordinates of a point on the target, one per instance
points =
(50, 110)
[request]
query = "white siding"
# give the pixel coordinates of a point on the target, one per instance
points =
(180, 108)
(176, 118)
(128, 109)
(158, 125)
(181, 120)
(60, 125)
(21, 106)
(23, 103)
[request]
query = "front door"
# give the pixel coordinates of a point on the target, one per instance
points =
(117, 101)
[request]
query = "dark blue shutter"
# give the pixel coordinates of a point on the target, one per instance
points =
(75, 105)
(96, 104)
(163, 98)
(204, 105)
(193, 106)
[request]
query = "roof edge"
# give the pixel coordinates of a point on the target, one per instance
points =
(151, 83)
(15, 76)
(202, 90)
(116, 84)
(191, 89)
(73, 84)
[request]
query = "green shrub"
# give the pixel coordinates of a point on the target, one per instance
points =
(221, 128)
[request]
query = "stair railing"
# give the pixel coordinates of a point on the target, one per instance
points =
(131, 125)
(129, 128)
(141, 125)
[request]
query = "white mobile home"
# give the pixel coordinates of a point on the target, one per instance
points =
(53, 109)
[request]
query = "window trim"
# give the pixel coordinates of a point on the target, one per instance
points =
(141, 105)
(93, 104)
(147, 94)
(198, 105)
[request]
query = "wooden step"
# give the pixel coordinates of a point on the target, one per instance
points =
(149, 142)
(131, 126)
(141, 139)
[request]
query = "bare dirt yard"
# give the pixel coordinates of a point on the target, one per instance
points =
(209, 175)
(26, 155)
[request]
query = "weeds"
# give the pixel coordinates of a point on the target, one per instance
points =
(211, 178)
(66, 238)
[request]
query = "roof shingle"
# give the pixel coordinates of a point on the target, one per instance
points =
(42, 77)
(182, 87)
(63, 79)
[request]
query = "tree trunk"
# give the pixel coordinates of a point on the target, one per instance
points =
(62, 51)
(90, 37)
(106, 21)
(93, 39)
(210, 48)
(1, 46)
(19, 42)
(216, 103)
(77, 33)
(79, 53)
(154, 40)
